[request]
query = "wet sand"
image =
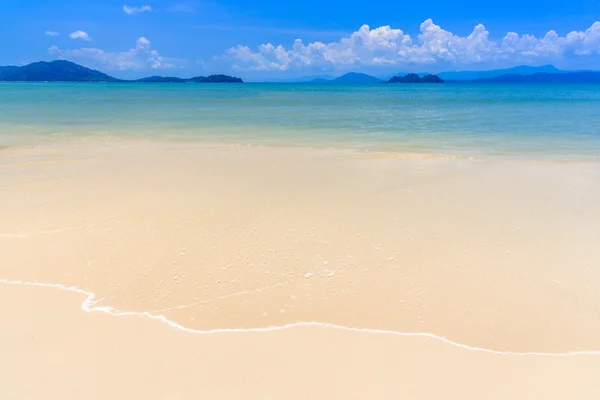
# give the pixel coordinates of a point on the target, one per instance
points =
(54, 350)
(491, 254)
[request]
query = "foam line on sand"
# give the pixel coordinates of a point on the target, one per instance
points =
(88, 305)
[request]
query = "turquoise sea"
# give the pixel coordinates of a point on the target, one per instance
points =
(554, 122)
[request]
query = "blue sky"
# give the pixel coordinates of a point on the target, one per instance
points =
(279, 39)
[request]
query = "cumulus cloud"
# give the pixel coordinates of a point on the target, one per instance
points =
(131, 10)
(142, 56)
(433, 45)
(80, 35)
(51, 33)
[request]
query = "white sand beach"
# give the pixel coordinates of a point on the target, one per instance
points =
(498, 256)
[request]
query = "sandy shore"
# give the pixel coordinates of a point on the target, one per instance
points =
(499, 255)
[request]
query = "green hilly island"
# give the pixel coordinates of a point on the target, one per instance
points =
(66, 71)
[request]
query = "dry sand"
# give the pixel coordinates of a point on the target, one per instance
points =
(498, 255)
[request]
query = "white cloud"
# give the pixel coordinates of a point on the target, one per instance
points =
(142, 56)
(433, 45)
(51, 33)
(131, 10)
(80, 35)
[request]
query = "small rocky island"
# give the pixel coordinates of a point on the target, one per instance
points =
(414, 78)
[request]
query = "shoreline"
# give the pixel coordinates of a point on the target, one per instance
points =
(377, 151)
(72, 354)
(88, 306)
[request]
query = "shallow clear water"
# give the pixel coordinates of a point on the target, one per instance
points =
(558, 122)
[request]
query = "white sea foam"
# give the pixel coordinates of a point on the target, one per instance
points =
(89, 305)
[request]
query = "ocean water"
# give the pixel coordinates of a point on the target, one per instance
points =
(551, 122)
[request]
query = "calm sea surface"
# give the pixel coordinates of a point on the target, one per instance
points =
(555, 122)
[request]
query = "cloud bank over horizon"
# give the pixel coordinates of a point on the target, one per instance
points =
(141, 57)
(381, 50)
(387, 47)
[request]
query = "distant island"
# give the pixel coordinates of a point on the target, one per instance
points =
(519, 70)
(197, 79)
(521, 74)
(350, 77)
(549, 71)
(66, 71)
(587, 77)
(414, 78)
